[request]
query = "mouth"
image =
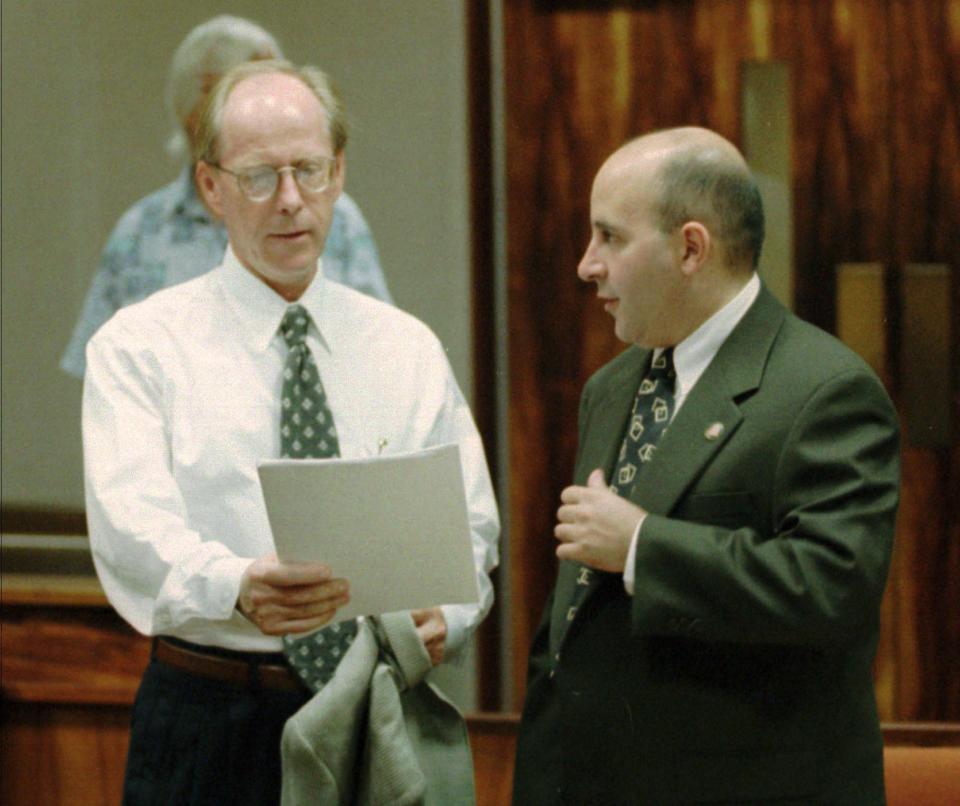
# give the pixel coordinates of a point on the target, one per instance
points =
(290, 236)
(610, 305)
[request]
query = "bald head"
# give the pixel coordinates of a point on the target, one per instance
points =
(694, 174)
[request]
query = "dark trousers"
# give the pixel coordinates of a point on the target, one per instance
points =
(199, 741)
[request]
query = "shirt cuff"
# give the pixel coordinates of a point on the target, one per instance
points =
(212, 597)
(629, 572)
(460, 619)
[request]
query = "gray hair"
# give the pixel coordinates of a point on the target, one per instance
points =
(703, 185)
(207, 143)
(206, 53)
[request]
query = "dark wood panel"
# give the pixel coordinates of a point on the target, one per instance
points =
(493, 742)
(924, 227)
(70, 654)
(63, 755)
(868, 81)
(37, 520)
(925, 115)
(483, 310)
(836, 52)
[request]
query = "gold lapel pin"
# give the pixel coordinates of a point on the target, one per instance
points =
(713, 432)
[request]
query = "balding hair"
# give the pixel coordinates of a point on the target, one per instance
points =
(702, 177)
(206, 147)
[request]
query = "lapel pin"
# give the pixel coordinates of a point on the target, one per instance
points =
(713, 432)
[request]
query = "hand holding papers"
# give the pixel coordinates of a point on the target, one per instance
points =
(396, 527)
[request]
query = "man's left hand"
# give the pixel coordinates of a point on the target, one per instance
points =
(432, 629)
(596, 525)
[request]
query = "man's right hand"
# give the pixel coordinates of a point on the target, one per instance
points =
(283, 598)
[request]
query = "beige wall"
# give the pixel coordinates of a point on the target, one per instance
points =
(83, 138)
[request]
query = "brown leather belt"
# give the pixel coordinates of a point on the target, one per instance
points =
(243, 673)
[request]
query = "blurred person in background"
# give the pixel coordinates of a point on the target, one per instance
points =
(170, 236)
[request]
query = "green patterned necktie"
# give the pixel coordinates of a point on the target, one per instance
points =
(307, 431)
(652, 409)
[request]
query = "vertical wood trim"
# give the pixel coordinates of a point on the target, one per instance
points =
(489, 635)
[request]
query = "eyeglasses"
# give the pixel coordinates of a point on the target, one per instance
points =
(260, 183)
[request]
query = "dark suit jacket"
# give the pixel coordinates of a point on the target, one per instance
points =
(740, 671)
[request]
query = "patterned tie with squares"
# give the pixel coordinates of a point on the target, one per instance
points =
(307, 431)
(652, 409)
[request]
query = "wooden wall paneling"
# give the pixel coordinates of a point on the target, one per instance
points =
(925, 228)
(545, 162)
(70, 669)
(493, 743)
(836, 51)
(483, 314)
(98, 658)
(925, 105)
(63, 755)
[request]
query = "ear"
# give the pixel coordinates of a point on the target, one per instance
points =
(696, 245)
(208, 185)
(339, 175)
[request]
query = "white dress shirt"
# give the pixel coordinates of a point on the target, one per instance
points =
(182, 398)
(691, 357)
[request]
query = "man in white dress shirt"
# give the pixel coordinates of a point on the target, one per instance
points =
(182, 398)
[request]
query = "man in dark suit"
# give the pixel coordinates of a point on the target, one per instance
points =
(726, 543)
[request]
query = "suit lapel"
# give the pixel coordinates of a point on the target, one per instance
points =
(711, 413)
(709, 417)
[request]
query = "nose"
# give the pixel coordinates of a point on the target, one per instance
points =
(591, 268)
(288, 191)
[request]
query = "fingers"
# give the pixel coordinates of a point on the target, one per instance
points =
(432, 628)
(566, 513)
(290, 597)
(595, 526)
(306, 595)
(291, 574)
(275, 618)
(576, 494)
(294, 625)
(565, 533)
(596, 480)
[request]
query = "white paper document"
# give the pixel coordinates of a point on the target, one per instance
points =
(396, 527)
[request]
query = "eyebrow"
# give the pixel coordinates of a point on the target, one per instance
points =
(600, 223)
(311, 158)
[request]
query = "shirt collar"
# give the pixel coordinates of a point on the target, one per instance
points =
(693, 355)
(261, 309)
